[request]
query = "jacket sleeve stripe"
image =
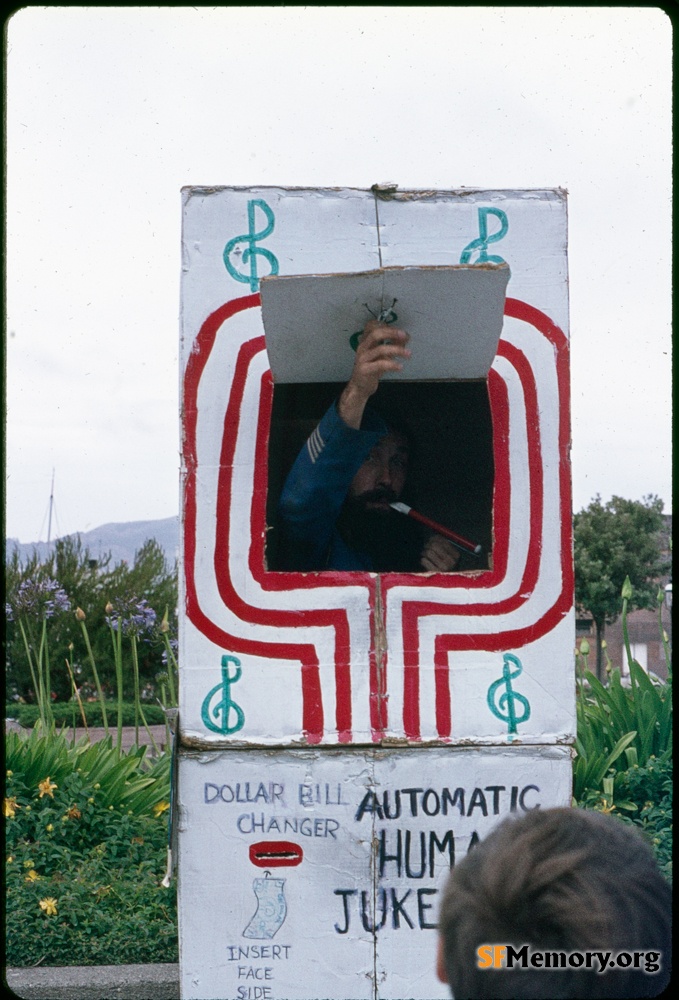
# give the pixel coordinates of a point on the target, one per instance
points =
(315, 445)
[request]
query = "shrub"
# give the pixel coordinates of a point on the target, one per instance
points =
(103, 905)
(618, 726)
(86, 852)
(66, 712)
(623, 760)
(649, 788)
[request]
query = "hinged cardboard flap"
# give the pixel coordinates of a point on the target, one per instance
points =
(452, 313)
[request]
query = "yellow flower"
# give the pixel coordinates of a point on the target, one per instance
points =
(32, 876)
(47, 788)
(80, 614)
(10, 859)
(28, 864)
(10, 806)
(49, 827)
(49, 906)
(10, 773)
(160, 807)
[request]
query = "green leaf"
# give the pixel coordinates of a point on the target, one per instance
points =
(606, 763)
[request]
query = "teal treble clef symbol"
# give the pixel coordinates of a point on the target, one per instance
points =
(217, 716)
(504, 707)
(481, 244)
(252, 237)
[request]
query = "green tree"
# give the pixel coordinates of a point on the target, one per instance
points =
(612, 541)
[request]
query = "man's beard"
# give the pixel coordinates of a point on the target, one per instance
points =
(380, 532)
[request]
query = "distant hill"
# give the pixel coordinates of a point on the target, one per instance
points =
(121, 540)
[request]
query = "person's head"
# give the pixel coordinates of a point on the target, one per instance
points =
(381, 478)
(559, 881)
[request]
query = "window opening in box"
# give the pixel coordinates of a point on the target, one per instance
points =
(449, 478)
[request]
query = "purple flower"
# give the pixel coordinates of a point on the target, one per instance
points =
(132, 616)
(38, 599)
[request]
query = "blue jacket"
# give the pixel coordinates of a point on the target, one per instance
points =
(316, 488)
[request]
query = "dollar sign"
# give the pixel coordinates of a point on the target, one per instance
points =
(504, 708)
(481, 244)
(223, 703)
(252, 237)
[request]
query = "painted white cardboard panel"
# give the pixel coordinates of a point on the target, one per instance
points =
(453, 315)
(312, 230)
(271, 693)
(445, 634)
(527, 229)
(316, 874)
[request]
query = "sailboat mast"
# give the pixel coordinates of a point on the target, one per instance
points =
(49, 522)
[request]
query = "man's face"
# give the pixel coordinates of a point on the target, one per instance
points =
(381, 478)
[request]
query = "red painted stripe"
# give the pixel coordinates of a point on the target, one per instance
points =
(513, 637)
(312, 707)
(499, 406)
(379, 692)
(564, 602)
(313, 711)
(311, 689)
(412, 611)
(256, 561)
(311, 684)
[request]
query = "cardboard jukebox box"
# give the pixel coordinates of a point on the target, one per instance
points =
(347, 734)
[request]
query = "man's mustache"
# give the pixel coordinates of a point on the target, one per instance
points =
(382, 494)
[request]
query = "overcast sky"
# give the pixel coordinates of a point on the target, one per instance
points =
(110, 111)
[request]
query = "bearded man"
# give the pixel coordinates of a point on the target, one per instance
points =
(335, 509)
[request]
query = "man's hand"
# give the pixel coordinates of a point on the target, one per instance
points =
(439, 555)
(381, 349)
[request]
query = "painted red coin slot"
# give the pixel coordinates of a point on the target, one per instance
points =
(275, 854)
